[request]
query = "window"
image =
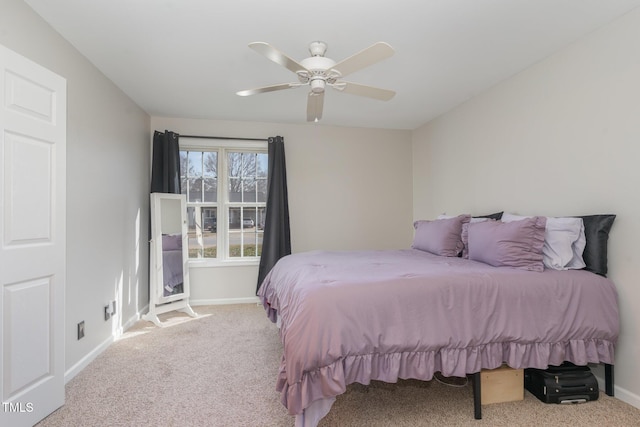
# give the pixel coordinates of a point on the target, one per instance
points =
(226, 191)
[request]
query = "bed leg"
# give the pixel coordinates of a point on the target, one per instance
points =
(477, 406)
(608, 379)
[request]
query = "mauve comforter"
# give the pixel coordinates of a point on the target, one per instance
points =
(382, 315)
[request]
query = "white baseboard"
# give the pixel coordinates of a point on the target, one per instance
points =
(133, 319)
(620, 393)
(246, 300)
(626, 396)
(84, 362)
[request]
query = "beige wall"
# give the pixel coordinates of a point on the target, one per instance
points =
(107, 187)
(561, 138)
(349, 188)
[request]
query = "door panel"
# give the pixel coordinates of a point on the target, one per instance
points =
(26, 361)
(29, 98)
(28, 164)
(32, 239)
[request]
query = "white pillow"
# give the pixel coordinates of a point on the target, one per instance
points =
(473, 219)
(577, 262)
(564, 241)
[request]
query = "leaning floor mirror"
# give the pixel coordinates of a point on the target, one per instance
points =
(168, 269)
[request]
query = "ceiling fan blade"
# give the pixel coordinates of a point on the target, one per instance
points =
(315, 103)
(369, 56)
(363, 90)
(267, 89)
(276, 56)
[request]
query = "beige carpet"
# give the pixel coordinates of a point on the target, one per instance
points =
(220, 370)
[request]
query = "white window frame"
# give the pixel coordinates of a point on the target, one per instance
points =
(222, 147)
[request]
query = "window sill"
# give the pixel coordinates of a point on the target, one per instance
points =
(208, 263)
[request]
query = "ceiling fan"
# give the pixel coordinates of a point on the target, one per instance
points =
(318, 72)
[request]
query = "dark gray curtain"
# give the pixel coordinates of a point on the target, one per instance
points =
(276, 241)
(165, 167)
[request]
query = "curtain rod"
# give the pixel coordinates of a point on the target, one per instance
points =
(223, 137)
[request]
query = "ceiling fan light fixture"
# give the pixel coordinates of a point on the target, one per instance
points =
(317, 85)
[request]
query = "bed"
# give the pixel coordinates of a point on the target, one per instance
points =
(358, 316)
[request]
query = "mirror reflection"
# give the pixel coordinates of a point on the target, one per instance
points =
(172, 261)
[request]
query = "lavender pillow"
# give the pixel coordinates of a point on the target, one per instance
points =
(465, 233)
(508, 244)
(441, 236)
(564, 242)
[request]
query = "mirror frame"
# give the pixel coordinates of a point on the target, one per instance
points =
(156, 291)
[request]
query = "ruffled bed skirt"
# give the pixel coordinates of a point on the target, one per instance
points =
(332, 380)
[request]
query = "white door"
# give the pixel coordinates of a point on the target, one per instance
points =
(32, 239)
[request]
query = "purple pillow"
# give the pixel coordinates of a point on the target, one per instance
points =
(508, 244)
(441, 236)
(465, 233)
(171, 242)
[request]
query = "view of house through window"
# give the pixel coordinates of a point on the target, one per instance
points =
(226, 194)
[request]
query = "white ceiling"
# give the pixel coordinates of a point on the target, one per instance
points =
(188, 58)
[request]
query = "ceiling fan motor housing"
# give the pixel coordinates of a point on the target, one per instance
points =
(318, 63)
(321, 69)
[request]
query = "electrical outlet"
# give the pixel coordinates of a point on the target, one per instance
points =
(81, 330)
(113, 312)
(107, 312)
